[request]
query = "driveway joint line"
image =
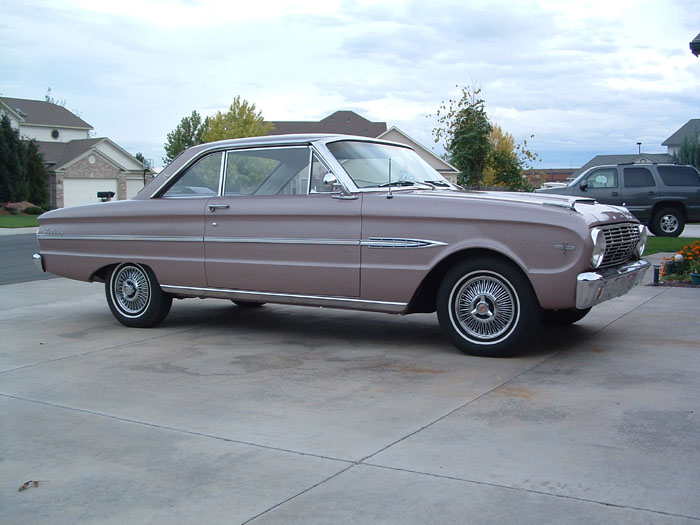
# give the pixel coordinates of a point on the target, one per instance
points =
(172, 429)
(299, 494)
(91, 352)
(539, 492)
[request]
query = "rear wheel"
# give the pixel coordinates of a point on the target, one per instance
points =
(134, 296)
(487, 307)
(564, 317)
(667, 222)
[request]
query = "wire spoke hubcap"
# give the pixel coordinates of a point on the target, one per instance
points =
(485, 307)
(131, 290)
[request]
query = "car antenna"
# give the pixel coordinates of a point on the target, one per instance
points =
(389, 195)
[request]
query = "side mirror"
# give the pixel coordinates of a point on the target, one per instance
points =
(330, 181)
(584, 185)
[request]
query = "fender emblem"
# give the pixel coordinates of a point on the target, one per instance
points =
(566, 247)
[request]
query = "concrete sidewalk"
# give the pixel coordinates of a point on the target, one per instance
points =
(304, 415)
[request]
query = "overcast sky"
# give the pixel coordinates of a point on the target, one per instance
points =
(583, 77)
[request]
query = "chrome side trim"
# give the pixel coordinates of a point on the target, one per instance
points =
(372, 242)
(267, 240)
(288, 298)
(54, 236)
(389, 242)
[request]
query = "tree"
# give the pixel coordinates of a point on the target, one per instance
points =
(689, 152)
(36, 174)
(241, 120)
(507, 162)
(52, 100)
(13, 182)
(139, 156)
(187, 133)
(465, 128)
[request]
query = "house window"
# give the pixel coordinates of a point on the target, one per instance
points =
(54, 134)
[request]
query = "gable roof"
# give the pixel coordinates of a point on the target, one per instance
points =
(342, 122)
(695, 45)
(605, 160)
(692, 127)
(42, 113)
(444, 165)
(56, 154)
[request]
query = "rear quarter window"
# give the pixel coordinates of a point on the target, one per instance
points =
(679, 176)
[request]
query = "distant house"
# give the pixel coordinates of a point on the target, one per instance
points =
(79, 165)
(695, 45)
(537, 176)
(350, 123)
(673, 143)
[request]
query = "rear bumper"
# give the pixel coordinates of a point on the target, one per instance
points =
(39, 262)
(593, 288)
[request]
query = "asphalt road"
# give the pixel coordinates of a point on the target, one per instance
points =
(16, 259)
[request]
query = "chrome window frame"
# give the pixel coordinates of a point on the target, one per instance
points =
(182, 172)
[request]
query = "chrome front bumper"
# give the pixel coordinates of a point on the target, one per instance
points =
(38, 262)
(593, 288)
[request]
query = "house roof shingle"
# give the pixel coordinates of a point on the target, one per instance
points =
(689, 128)
(695, 45)
(42, 113)
(342, 122)
(56, 154)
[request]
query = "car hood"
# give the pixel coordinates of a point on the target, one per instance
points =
(593, 211)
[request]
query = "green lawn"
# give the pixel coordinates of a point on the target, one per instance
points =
(18, 221)
(667, 244)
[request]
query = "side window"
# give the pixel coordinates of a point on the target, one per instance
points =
(200, 180)
(318, 171)
(603, 178)
(679, 176)
(638, 178)
(267, 171)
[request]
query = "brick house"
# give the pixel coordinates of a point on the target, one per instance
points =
(79, 165)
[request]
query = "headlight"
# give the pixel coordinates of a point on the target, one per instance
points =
(599, 245)
(639, 249)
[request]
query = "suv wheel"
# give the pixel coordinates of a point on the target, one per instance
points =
(667, 222)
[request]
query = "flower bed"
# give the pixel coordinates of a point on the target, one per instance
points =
(681, 266)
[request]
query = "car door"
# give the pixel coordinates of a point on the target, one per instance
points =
(269, 232)
(602, 184)
(640, 192)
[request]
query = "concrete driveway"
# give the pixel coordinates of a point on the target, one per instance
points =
(296, 415)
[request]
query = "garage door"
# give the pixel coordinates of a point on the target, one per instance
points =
(84, 191)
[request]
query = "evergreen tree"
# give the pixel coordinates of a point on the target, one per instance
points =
(13, 182)
(36, 174)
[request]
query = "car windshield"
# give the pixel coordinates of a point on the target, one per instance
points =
(372, 165)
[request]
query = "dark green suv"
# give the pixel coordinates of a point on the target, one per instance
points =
(663, 196)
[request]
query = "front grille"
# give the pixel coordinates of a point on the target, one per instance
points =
(620, 242)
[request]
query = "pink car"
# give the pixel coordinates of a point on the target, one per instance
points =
(347, 222)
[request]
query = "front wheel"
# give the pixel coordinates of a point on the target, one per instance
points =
(134, 296)
(487, 307)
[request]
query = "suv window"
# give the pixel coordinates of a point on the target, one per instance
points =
(603, 178)
(638, 178)
(679, 176)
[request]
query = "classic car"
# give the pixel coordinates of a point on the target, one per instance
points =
(347, 222)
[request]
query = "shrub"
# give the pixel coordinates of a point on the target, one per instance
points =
(33, 210)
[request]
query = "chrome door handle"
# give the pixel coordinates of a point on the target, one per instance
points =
(213, 207)
(615, 194)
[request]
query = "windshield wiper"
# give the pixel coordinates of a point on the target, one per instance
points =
(397, 183)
